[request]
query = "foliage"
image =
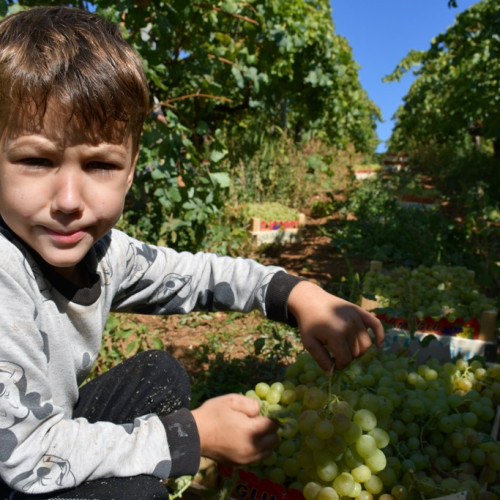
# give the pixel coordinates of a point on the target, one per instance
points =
(456, 92)
(383, 230)
(268, 211)
(283, 171)
(230, 79)
(268, 349)
(123, 337)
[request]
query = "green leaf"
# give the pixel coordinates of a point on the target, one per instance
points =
(222, 179)
(216, 155)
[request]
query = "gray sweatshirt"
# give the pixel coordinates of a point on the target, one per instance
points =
(51, 333)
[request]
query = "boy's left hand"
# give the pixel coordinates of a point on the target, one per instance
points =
(332, 329)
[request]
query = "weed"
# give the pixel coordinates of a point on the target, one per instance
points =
(123, 336)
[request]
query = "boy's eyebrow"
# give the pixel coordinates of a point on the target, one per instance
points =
(107, 149)
(35, 140)
(23, 141)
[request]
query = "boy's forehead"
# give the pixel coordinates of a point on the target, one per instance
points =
(63, 129)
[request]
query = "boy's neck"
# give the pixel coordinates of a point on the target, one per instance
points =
(77, 275)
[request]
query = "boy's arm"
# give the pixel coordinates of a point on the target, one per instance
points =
(332, 329)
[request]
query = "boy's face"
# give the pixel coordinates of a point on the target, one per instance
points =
(60, 196)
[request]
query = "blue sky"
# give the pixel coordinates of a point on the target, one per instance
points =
(381, 33)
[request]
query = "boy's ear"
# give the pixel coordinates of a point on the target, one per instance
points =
(130, 178)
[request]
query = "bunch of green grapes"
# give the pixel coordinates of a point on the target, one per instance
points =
(437, 292)
(386, 427)
(324, 443)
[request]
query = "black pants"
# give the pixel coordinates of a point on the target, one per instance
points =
(150, 382)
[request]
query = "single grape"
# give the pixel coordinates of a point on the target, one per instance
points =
(273, 396)
(277, 475)
(374, 485)
(361, 473)
(381, 437)
(344, 484)
(366, 445)
(291, 467)
(324, 428)
(307, 420)
(399, 492)
(261, 389)
(287, 448)
(314, 398)
(364, 495)
(327, 493)
(288, 397)
(311, 489)
(377, 461)
(327, 471)
(365, 418)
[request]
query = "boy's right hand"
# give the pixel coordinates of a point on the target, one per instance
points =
(232, 431)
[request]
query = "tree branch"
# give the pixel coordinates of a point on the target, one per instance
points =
(237, 16)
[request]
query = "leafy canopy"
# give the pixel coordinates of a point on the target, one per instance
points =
(457, 90)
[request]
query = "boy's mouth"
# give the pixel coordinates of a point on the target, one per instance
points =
(66, 237)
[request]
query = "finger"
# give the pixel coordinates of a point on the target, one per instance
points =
(244, 404)
(345, 351)
(376, 326)
(319, 352)
(363, 343)
(264, 425)
(341, 353)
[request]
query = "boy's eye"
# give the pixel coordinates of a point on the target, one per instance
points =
(99, 165)
(36, 162)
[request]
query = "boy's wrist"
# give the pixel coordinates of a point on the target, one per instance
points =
(278, 292)
(183, 441)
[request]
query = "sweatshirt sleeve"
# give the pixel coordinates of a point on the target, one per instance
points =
(160, 280)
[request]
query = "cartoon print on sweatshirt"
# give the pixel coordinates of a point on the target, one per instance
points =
(138, 259)
(172, 293)
(51, 471)
(259, 293)
(16, 405)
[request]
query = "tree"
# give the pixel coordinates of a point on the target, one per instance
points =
(457, 90)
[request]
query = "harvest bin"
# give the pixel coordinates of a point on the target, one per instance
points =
(247, 486)
(270, 231)
(465, 338)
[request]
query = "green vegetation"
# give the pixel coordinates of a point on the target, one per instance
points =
(456, 92)
(269, 211)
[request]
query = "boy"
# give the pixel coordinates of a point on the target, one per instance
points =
(73, 99)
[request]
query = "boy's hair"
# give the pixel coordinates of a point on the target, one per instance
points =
(76, 63)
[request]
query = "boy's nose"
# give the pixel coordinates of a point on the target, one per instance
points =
(67, 197)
